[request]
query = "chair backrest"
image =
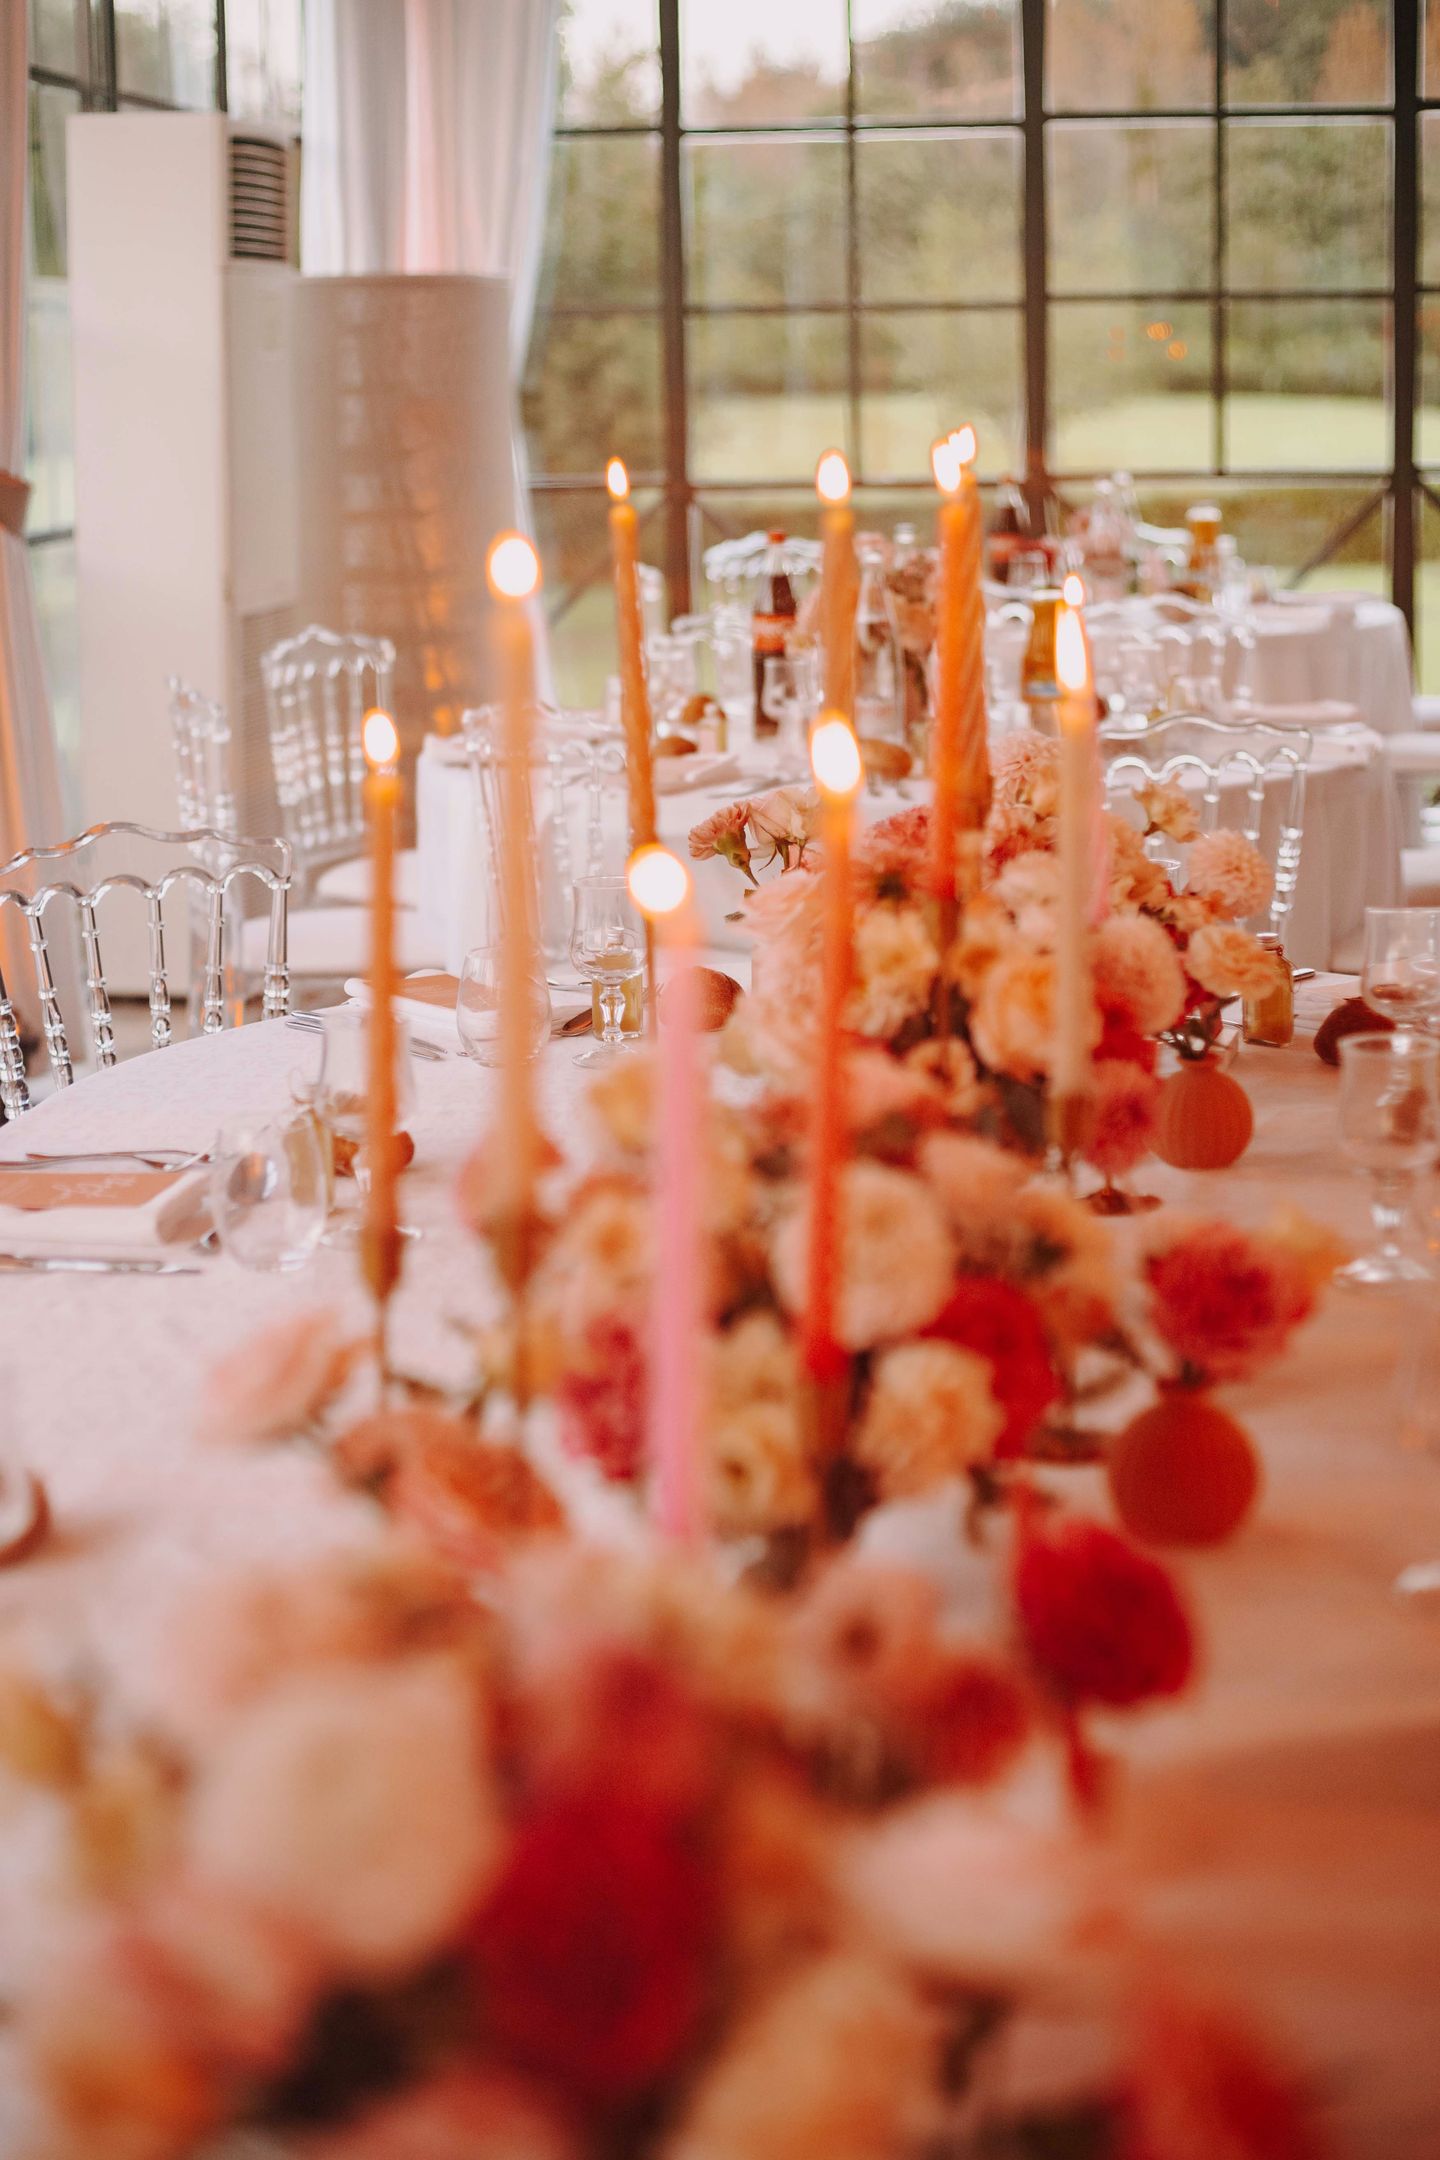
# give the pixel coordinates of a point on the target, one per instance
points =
(1251, 771)
(577, 772)
(46, 884)
(318, 688)
(204, 765)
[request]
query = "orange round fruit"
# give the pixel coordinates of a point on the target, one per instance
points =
(1183, 1472)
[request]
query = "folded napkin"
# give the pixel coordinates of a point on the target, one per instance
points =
(427, 1002)
(120, 1213)
(677, 775)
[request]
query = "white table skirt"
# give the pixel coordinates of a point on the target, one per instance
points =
(1350, 860)
(1282, 1822)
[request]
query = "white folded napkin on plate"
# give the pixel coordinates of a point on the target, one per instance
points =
(677, 775)
(427, 1003)
(121, 1213)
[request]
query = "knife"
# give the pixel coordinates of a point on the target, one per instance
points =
(87, 1264)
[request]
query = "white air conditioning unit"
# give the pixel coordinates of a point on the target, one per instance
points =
(182, 298)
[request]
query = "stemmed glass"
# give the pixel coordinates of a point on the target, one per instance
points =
(342, 1096)
(1401, 975)
(607, 947)
(268, 1191)
(790, 697)
(477, 1006)
(1390, 1126)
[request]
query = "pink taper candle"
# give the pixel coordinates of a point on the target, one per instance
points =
(1078, 789)
(960, 753)
(661, 888)
(839, 582)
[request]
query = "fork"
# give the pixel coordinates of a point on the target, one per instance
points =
(312, 1024)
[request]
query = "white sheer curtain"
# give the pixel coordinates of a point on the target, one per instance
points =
(427, 140)
(31, 808)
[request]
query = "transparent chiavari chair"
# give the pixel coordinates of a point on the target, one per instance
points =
(66, 884)
(204, 760)
(1245, 775)
(318, 688)
(577, 793)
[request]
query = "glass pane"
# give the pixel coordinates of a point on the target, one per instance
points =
(928, 59)
(1427, 597)
(1131, 206)
(751, 63)
(1130, 55)
(1427, 410)
(166, 49)
(574, 543)
(52, 571)
(940, 216)
(49, 425)
(1307, 54)
(1309, 203)
(1131, 388)
(592, 392)
(765, 221)
(602, 224)
(49, 110)
(265, 52)
(1430, 56)
(767, 395)
(922, 375)
(1285, 526)
(53, 43)
(1308, 386)
(1430, 192)
(609, 63)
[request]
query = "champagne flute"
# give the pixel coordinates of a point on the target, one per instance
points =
(343, 1092)
(607, 947)
(1390, 1126)
(1401, 974)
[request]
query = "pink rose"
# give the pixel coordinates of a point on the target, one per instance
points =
(279, 1381)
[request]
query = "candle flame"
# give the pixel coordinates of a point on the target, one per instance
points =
(617, 479)
(835, 756)
(382, 743)
(1073, 591)
(966, 443)
(659, 882)
(832, 478)
(946, 464)
(1072, 658)
(513, 567)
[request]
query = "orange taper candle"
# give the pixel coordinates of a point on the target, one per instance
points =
(838, 583)
(960, 751)
(1079, 716)
(835, 762)
(380, 1235)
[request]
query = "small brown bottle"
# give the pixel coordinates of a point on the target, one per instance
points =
(1270, 1013)
(772, 621)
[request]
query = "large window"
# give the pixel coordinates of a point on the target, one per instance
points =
(1177, 236)
(86, 55)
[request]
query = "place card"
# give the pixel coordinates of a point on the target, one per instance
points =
(36, 1192)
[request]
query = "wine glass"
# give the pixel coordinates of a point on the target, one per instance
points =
(477, 1006)
(1390, 1126)
(607, 947)
(789, 697)
(342, 1095)
(268, 1191)
(1401, 975)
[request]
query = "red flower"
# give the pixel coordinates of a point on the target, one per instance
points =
(1201, 2087)
(602, 1402)
(1102, 1620)
(591, 1952)
(976, 1721)
(1003, 1324)
(1225, 1301)
(1125, 1046)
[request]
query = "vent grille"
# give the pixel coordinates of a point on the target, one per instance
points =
(259, 200)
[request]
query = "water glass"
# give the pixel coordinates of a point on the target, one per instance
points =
(790, 699)
(268, 1191)
(477, 1006)
(607, 947)
(1390, 1127)
(1401, 974)
(342, 1098)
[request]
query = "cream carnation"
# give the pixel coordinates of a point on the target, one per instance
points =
(895, 1256)
(277, 1382)
(929, 1415)
(1228, 962)
(975, 1181)
(1030, 889)
(895, 968)
(785, 820)
(353, 1802)
(1229, 873)
(1025, 768)
(1168, 809)
(1138, 977)
(1012, 1022)
(1065, 1256)
(601, 1260)
(879, 1087)
(758, 1476)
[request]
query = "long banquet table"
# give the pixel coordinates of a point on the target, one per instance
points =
(1285, 1819)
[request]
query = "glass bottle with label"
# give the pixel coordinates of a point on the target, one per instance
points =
(1269, 1014)
(1039, 682)
(771, 623)
(1203, 575)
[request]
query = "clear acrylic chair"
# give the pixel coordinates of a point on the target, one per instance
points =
(204, 760)
(577, 776)
(63, 887)
(318, 688)
(1246, 775)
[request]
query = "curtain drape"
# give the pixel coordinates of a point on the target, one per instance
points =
(31, 803)
(427, 140)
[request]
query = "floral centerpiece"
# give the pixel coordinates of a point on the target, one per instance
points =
(1161, 958)
(619, 1862)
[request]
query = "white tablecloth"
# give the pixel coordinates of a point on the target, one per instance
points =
(1285, 1822)
(1350, 860)
(1342, 646)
